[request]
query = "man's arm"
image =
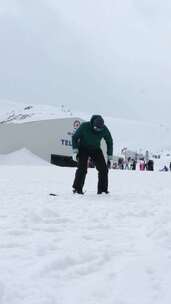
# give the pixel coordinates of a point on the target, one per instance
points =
(109, 142)
(76, 139)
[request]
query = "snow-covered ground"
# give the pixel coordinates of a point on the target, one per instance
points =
(164, 160)
(70, 249)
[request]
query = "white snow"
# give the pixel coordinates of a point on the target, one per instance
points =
(138, 136)
(71, 249)
(22, 157)
(18, 112)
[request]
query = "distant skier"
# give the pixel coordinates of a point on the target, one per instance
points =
(134, 163)
(150, 165)
(86, 143)
(165, 168)
(142, 165)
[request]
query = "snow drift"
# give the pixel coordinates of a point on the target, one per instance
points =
(22, 157)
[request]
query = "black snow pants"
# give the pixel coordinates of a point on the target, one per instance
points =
(100, 164)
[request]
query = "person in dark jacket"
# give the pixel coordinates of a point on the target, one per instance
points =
(86, 143)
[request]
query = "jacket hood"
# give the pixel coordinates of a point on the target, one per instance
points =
(93, 118)
(97, 123)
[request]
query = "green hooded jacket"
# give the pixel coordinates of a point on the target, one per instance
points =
(87, 138)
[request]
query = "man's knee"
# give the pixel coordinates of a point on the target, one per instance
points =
(83, 171)
(103, 170)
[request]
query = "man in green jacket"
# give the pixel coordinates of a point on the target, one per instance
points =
(86, 143)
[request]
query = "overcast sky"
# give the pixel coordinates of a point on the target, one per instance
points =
(101, 56)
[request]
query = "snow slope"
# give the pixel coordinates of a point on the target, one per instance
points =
(91, 249)
(22, 157)
(136, 135)
(18, 112)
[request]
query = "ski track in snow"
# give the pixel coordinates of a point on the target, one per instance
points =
(71, 249)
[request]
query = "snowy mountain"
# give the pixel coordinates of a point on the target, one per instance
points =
(136, 135)
(19, 112)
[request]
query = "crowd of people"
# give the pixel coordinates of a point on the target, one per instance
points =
(128, 164)
(133, 164)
